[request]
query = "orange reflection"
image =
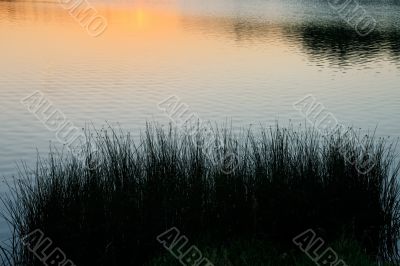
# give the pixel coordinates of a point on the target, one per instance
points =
(145, 20)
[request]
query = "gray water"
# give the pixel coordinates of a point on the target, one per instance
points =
(247, 61)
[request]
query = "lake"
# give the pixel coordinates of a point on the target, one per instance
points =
(244, 61)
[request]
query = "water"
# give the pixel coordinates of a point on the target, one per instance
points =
(247, 61)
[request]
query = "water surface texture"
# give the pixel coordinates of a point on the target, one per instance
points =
(247, 61)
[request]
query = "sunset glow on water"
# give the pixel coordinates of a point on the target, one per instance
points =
(245, 61)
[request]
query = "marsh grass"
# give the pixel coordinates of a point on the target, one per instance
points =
(285, 181)
(263, 253)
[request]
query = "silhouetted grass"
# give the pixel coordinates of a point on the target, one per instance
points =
(263, 253)
(284, 182)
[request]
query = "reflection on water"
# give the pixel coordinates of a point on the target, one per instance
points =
(343, 46)
(244, 60)
(321, 36)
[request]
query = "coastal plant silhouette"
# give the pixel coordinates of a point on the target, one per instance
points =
(285, 181)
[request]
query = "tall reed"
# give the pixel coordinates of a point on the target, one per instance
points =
(278, 183)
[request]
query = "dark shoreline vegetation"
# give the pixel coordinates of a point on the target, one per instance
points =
(285, 181)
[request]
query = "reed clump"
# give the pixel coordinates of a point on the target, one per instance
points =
(268, 184)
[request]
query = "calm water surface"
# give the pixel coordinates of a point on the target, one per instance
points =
(247, 61)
